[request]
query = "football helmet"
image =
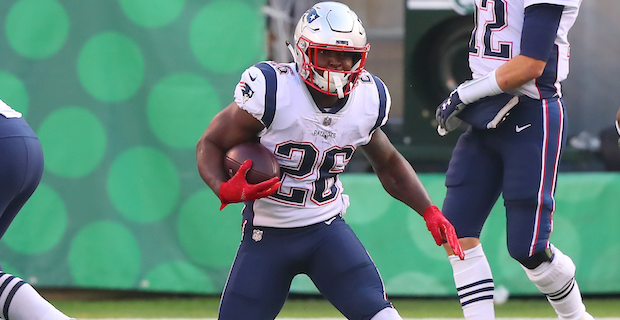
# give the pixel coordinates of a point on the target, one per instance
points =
(329, 26)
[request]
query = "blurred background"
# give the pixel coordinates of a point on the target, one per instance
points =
(120, 91)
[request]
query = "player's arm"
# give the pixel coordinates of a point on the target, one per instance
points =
(540, 26)
(401, 181)
(228, 128)
(395, 173)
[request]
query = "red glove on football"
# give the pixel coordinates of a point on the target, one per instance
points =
(237, 189)
(442, 230)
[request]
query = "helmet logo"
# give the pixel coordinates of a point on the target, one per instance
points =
(312, 15)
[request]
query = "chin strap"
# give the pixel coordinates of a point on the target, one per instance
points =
(338, 84)
(292, 50)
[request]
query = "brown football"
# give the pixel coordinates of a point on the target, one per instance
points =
(264, 163)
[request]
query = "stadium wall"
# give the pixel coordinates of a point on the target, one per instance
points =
(190, 249)
(119, 95)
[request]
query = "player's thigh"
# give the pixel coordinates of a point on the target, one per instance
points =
(345, 274)
(259, 279)
(21, 168)
(532, 140)
(531, 158)
(473, 182)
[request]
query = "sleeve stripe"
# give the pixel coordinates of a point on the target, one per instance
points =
(382, 103)
(270, 93)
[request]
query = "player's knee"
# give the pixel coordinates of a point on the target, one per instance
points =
(533, 261)
(551, 276)
(388, 313)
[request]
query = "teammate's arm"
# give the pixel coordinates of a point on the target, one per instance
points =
(540, 28)
(228, 128)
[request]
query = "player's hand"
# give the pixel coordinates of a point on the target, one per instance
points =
(237, 189)
(446, 113)
(442, 230)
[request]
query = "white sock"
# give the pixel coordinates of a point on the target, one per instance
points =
(387, 314)
(556, 279)
(474, 284)
(20, 301)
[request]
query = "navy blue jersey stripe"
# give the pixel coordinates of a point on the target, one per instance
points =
(271, 88)
(546, 82)
(540, 28)
(382, 103)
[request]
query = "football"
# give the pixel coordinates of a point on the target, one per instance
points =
(264, 163)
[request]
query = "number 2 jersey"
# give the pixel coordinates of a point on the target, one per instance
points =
(312, 145)
(497, 39)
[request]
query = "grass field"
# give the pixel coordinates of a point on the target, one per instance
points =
(203, 307)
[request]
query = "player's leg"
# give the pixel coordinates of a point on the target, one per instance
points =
(21, 167)
(20, 301)
(473, 180)
(345, 274)
(529, 200)
(261, 274)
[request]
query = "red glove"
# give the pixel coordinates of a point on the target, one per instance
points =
(237, 189)
(442, 230)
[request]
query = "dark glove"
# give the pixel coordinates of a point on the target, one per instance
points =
(237, 189)
(446, 113)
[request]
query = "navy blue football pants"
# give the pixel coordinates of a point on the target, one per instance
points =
(21, 167)
(518, 160)
(330, 254)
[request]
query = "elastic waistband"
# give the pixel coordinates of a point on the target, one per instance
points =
(297, 229)
(15, 127)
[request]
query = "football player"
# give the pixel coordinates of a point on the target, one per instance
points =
(313, 115)
(518, 56)
(21, 168)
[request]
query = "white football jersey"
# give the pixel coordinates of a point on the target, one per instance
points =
(312, 145)
(497, 39)
(8, 112)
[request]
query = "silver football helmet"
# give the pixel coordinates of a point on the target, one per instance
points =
(329, 26)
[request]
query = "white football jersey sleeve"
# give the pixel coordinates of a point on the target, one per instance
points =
(497, 39)
(312, 145)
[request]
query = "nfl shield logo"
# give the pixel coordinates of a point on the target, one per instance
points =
(257, 235)
(327, 121)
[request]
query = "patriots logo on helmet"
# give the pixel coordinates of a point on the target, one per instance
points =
(246, 91)
(312, 15)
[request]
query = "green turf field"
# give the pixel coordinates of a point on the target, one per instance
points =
(206, 307)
